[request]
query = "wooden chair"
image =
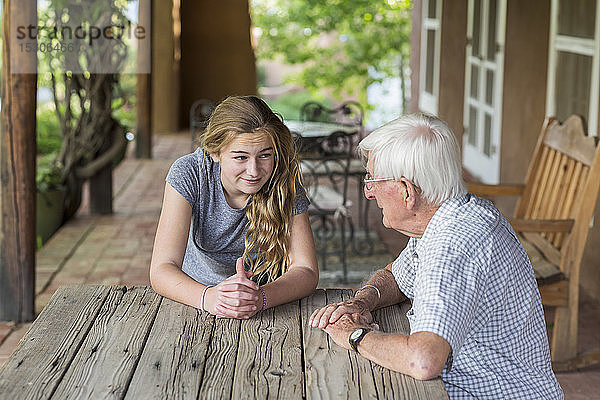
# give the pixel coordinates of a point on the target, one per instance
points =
(552, 218)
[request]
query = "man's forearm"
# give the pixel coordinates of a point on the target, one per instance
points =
(384, 281)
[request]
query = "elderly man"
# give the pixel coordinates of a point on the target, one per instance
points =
(476, 316)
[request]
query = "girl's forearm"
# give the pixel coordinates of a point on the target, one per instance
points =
(296, 283)
(170, 281)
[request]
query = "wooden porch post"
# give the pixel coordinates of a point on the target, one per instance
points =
(143, 147)
(17, 166)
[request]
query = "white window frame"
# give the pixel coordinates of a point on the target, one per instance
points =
(428, 102)
(580, 46)
(484, 167)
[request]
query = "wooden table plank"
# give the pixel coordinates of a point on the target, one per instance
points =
(99, 341)
(46, 351)
(217, 379)
(331, 371)
(367, 383)
(105, 363)
(394, 385)
(269, 360)
(172, 363)
(331, 376)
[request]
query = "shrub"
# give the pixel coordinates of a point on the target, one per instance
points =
(49, 137)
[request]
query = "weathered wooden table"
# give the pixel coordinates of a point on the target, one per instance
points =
(120, 342)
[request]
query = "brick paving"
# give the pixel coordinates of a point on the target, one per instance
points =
(116, 249)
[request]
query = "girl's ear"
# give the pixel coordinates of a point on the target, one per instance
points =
(216, 157)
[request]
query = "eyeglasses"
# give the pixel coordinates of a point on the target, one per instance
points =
(368, 180)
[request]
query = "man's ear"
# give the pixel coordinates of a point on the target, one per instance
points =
(410, 193)
(216, 157)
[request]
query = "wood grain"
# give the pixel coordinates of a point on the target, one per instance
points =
(570, 139)
(17, 166)
(329, 373)
(221, 356)
(172, 363)
(47, 350)
(119, 342)
(105, 363)
(394, 385)
(269, 359)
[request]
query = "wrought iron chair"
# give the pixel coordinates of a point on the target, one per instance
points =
(349, 113)
(326, 182)
(200, 112)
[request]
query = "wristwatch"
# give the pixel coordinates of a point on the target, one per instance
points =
(356, 336)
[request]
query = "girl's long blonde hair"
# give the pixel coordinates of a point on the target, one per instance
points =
(270, 210)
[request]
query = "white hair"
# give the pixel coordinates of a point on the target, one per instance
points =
(421, 148)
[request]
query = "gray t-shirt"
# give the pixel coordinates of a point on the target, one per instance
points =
(217, 230)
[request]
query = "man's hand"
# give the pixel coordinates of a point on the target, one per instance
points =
(340, 330)
(235, 297)
(331, 313)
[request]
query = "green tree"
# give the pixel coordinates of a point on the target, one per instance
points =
(344, 45)
(82, 71)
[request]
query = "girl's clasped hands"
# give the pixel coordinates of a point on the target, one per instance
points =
(235, 297)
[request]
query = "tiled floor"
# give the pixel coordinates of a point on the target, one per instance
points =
(116, 249)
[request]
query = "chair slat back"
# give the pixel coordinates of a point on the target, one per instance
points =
(558, 175)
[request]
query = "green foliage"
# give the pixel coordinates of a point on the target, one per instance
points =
(124, 100)
(261, 75)
(288, 105)
(48, 174)
(49, 138)
(344, 45)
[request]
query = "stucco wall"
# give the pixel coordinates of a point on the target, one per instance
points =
(452, 65)
(415, 45)
(452, 62)
(165, 70)
(524, 91)
(217, 57)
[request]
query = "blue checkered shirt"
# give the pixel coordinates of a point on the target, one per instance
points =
(471, 282)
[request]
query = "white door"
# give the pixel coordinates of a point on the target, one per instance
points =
(483, 88)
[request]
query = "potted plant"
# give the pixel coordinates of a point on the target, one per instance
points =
(50, 198)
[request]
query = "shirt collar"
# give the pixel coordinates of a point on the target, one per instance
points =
(446, 210)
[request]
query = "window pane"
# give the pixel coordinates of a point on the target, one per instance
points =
(487, 135)
(576, 18)
(491, 39)
(474, 81)
(476, 27)
(472, 128)
(489, 87)
(573, 81)
(430, 61)
(431, 9)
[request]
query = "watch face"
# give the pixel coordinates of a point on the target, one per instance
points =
(356, 334)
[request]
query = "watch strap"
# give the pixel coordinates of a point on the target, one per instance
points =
(354, 342)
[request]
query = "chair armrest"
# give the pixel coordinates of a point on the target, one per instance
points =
(542, 225)
(482, 189)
